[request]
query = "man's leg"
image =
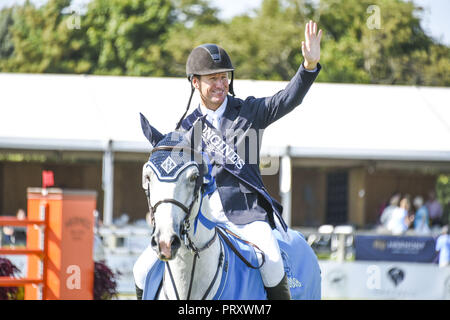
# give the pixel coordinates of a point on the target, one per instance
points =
(141, 268)
(259, 233)
(272, 272)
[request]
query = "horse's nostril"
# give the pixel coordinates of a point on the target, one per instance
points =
(153, 242)
(176, 242)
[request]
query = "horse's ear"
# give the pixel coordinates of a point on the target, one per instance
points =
(152, 135)
(195, 135)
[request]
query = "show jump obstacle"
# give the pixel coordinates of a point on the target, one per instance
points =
(60, 238)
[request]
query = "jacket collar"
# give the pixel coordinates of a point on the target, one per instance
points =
(230, 113)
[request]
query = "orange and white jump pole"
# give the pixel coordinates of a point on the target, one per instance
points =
(60, 237)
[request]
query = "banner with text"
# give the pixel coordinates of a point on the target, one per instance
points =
(395, 248)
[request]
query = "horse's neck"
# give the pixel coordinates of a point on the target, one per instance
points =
(205, 267)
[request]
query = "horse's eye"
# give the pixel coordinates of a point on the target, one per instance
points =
(193, 177)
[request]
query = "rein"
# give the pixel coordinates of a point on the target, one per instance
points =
(208, 290)
(184, 229)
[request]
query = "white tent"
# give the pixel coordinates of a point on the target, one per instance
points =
(77, 112)
(101, 113)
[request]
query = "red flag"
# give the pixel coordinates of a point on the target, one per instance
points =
(47, 179)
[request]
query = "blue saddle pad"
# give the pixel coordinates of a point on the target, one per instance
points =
(301, 266)
(239, 282)
(153, 281)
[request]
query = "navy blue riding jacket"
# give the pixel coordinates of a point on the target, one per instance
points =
(238, 179)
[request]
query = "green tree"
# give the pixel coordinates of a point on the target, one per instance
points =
(379, 41)
(19, 30)
(393, 50)
(364, 41)
(122, 37)
(267, 46)
(193, 13)
(196, 23)
(127, 37)
(43, 40)
(436, 66)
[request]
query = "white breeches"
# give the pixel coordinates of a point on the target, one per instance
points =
(260, 234)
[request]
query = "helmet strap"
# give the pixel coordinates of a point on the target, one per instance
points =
(230, 86)
(188, 105)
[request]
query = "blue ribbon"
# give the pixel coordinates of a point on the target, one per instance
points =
(209, 187)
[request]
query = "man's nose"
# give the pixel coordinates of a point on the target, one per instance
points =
(221, 83)
(218, 85)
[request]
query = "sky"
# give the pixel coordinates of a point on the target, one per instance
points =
(435, 19)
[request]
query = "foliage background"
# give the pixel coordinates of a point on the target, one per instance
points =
(8, 269)
(154, 37)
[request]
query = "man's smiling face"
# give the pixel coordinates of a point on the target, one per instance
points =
(213, 89)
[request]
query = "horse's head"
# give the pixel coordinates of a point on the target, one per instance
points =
(173, 179)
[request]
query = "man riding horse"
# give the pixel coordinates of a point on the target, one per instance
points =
(243, 201)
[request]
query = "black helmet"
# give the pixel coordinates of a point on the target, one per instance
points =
(207, 59)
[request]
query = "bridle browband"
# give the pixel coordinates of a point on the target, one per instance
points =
(185, 227)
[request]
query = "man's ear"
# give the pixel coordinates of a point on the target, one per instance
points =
(196, 82)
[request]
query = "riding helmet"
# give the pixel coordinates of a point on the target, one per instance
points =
(207, 59)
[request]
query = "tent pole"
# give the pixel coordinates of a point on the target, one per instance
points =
(108, 185)
(286, 187)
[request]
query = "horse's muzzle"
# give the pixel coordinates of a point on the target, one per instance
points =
(166, 250)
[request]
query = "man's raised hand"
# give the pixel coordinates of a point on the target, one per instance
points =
(311, 45)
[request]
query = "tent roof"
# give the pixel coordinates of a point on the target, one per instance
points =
(79, 112)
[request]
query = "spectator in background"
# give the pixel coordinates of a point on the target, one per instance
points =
(7, 236)
(15, 235)
(421, 220)
(387, 212)
(443, 247)
(20, 233)
(410, 209)
(399, 220)
(434, 209)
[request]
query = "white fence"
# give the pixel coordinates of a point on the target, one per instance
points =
(121, 246)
